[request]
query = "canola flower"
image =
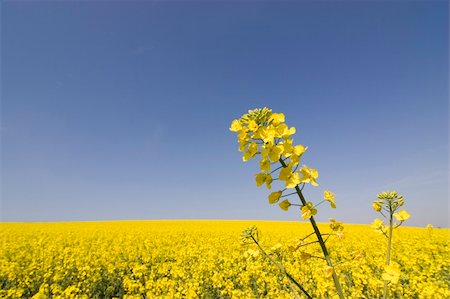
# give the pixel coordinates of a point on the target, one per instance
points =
(264, 133)
(204, 259)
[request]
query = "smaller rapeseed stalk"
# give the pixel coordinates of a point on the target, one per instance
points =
(263, 133)
(387, 205)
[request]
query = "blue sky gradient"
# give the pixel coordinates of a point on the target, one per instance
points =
(121, 110)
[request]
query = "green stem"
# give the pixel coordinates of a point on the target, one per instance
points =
(388, 253)
(320, 239)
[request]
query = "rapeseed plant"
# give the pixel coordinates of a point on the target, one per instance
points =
(264, 133)
(387, 204)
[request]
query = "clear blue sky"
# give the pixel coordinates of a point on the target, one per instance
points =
(121, 110)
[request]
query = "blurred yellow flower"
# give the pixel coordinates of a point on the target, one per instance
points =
(284, 131)
(285, 204)
(299, 150)
(235, 126)
(291, 179)
(251, 152)
(329, 196)
(273, 152)
(402, 215)
(308, 210)
(378, 225)
(252, 126)
(262, 178)
(336, 225)
(276, 118)
(391, 273)
(274, 197)
(309, 175)
(265, 165)
(376, 206)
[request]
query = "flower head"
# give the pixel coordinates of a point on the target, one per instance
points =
(376, 206)
(274, 197)
(276, 118)
(235, 126)
(309, 175)
(291, 179)
(262, 178)
(336, 225)
(378, 225)
(402, 215)
(285, 204)
(308, 210)
(329, 196)
(251, 152)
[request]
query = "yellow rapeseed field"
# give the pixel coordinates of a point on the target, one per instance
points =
(205, 259)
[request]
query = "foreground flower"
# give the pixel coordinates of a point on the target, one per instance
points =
(308, 210)
(264, 133)
(329, 196)
(262, 178)
(292, 179)
(274, 197)
(309, 175)
(376, 206)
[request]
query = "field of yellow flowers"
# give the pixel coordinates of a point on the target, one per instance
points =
(205, 259)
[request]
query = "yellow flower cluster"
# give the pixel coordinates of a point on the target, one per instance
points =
(264, 133)
(205, 259)
(388, 203)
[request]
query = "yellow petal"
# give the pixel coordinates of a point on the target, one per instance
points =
(235, 126)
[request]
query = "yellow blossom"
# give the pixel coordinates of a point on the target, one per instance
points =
(251, 152)
(299, 150)
(262, 178)
(402, 215)
(285, 204)
(288, 149)
(336, 225)
(273, 152)
(291, 179)
(252, 125)
(283, 131)
(276, 118)
(329, 196)
(267, 134)
(376, 206)
(235, 126)
(265, 165)
(308, 210)
(378, 225)
(275, 197)
(295, 158)
(340, 235)
(309, 175)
